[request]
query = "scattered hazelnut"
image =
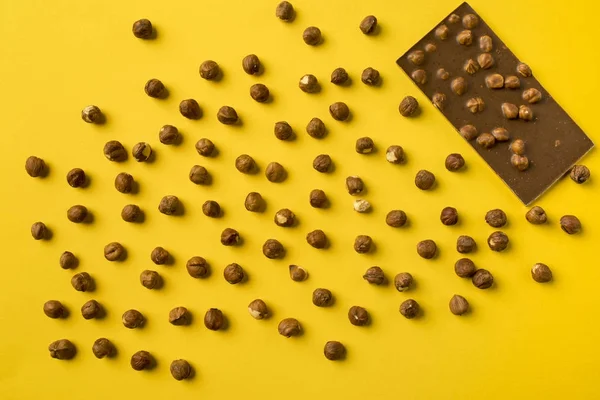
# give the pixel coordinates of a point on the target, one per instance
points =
(289, 327)
(197, 267)
(275, 172)
(465, 244)
(233, 273)
(317, 239)
(498, 241)
(518, 147)
(458, 85)
(155, 88)
(68, 260)
(470, 21)
(309, 84)
(251, 64)
(114, 151)
(362, 206)
(160, 256)
(322, 297)
(199, 175)
(441, 32)
(410, 308)
(77, 214)
(214, 319)
(532, 95)
(512, 82)
(254, 202)
(54, 309)
(495, 218)
(132, 319)
(465, 268)
(131, 213)
(205, 147)
(368, 24)
(92, 115)
(91, 309)
(124, 183)
(273, 249)
(471, 66)
(230, 237)
(541, 273)
(453, 18)
(180, 316)
(454, 162)
(297, 273)
(408, 106)
(76, 178)
(211, 209)
(316, 128)
(416, 57)
(580, 173)
(103, 348)
(469, 132)
(358, 316)
(364, 145)
(62, 349)
(150, 279)
(283, 130)
(403, 281)
(520, 162)
(82, 282)
(39, 231)
(570, 224)
(510, 111)
(245, 164)
(318, 198)
(525, 113)
(141, 360)
(284, 11)
(354, 185)
(485, 60)
(227, 115)
(35, 166)
(395, 218)
(500, 134)
(449, 216)
(339, 111)
(494, 81)
(285, 218)
(465, 38)
(142, 29)
(190, 109)
(114, 251)
(419, 76)
(424, 180)
(363, 244)
(334, 351)
(439, 100)
(370, 76)
(475, 105)
(180, 369)
(339, 76)
(374, 275)
(209, 70)
(458, 305)
(536, 216)
(426, 249)
(482, 279)
(322, 163)
(259, 92)
(312, 36)
(524, 70)
(485, 43)
(430, 47)
(442, 74)
(258, 309)
(395, 154)
(169, 205)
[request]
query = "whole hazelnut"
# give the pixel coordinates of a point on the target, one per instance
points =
(273, 249)
(410, 308)
(339, 76)
(485, 43)
(416, 57)
(358, 316)
(453, 18)
(68, 260)
(475, 105)
(500, 134)
(465, 38)
(77, 213)
(322, 297)
(142, 29)
(498, 241)
(297, 273)
(441, 32)
(160, 256)
(334, 351)
(485, 60)
(408, 106)
(254, 202)
(459, 85)
(430, 47)
(205, 147)
(114, 151)
(132, 319)
(62, 349)
(536, 215)
(131, 213)
(318, 198)
(510, 111)
(469, 132)
(362, 206)
(312, 36)
(92, 115)
(91, 309)
(35, 166)
(368, 24)
(251, 64)
(124, 183)
(54, 309)
(512, 82)
(395, 155)
(403, 281)
(322, 163)
(458, 305)
(199, 175)
(211, 208)
(197, 267)
(259, 92)
(284, 11)
(465, 268)
(541, 273)
(470, 67)
(465, 244)
(354, 185)
(180, 316)
(454, 162)
(439, 100)
(209, 70)
(419, 76)
(532, 95)
(169, 205)
(227, 115)
(316, 128)
(155, 88)
(525, 113)
(289, 327)
(150, 279)
(233, 273)
(180, 369)
(364, 145)
(230, 237)
(427, 249)
(519, 162)
(424, 180)
(141, 152)
(339, 111)
(374, 275)
(317, 239)
(470, 21)
(363, 244)
(580, 173)
(524, 70)
(396, 218)
(518, 147)
(258, 309)
(275, 172)
(245, 164)
(442, 74)
(309, 84)
(494, 81)
(103, 348)
(190, 109)
(82, 282)
(495, 218)
(39, 231)
(482, 279)
(76, 178)
(370, 76)
(283, 130)
(570, 224)
(168, 134)
(141, 360)
(449, 216)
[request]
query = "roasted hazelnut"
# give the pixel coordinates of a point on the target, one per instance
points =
(339, 76)
(54, 309)
(251, 64)
(169, 205)
(150, 279)
(227, 115)
(532, 95)
(62, 349)
(180, 316)
(275, 172)
(494, 81)
(442, 74)
(284, 11)
(395, 218)
(259, 92)
(570, 224)
(168, 134)
(500, 134)
(297, 273)
(441, 32)
(322, 297)
(364, 145)
(334, 351)
(77, 214)
(76, 178)
(510, 111)
(403, 281)
(395, 154)
(370, 76)
(430, 47)
(475, 105)
(209, 70)
(485, 60)
(518, 147)
(465, 244)
(453, 18)
(419, 76)
(339, 111)
(374, 275)
(495, 218)
(35, 166)
(363, 244)
(289, 327)
(525, 113)
(416, 57)
(439, 100)
(469, 132)
(39, 231)
(368, 24)
(465, 268)
(114, 251)
(482, 279)
(180, 369)
(485, 43)
(536, 216)
(245, 164)
(273, 249)
(520, 162)
(258, 309)
(68, 260)
(512, 82)
(354, 185)
(465, 38)
(312, 36)
(524, 70)
(211, 209)
(131, 213)
(205, 147)
(92, 115)
(91, 309)
(190, 109)
(317, 239)
(318, 198)
(580, 173)
(498, 241)
(316, 128)
(458, 305)
(160, 256)
(449, 216)
(141, 360)
(309, 84)
(427, 249)
(197, 267)
(142, 29)
(103, 348)
(132, 319)
(408, 106)
(322, 163)
(82, 282)
(471, 67)
(283, 130)
(454, 162)
(410, 308)
(124, 182)
(362, 206)
(155, 88)
(424, 180)
(233, 273)
(458, 85)
(254, 202)
(358, 316)
(199, 175)
(114, 151)
(541, 273)
(230, 237)
(470, 21)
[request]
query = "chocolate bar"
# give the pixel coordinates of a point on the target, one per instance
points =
(495, 102)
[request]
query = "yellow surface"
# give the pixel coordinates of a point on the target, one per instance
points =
(522, 340)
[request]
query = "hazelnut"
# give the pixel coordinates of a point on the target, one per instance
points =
(416, 57)
(132, 319)
(62, 349)
(419, 76)
(199, 175)
(283, 130)
(426, 249)
(471, 67)
(68, 260)
(131, 213)
(368, 24)
(92, 115)
(465, 244)
(465, 268)
(309, 84)
(254, 202)
(395, 154)
(316, 128)
(498, 241)
(39, 231)
(214, 319)
(500, 134)
(510, 111)
(77, 214)
(114, 151)
(395, 218)
(374, 275)
(124, 183)
(150, 279)
(454, 162)
(532, 95)
(180, 316)
(209, 70)
(358, 316)
(430, 47)
(54, 309)
(363, 244)
(35, 167)
(541, 273)
(141, 360)
(441, 32)
(251, 64)
(458, 305)
(169, 205)
(580, 173)
(570, 224)
(312, 36)
(275, 172)
(190, 109)
(370, 76)
(362, 206)
(512, 82)
(233, 273)
(494, 81)
(403, 281)
(197, 267)
(424, 180)
(449, 216)
(475, 105)
(285, 218)
(318, 198)
(536, 215)
(495, 218)
(230, 237)
(322, 297)
(258, 309)
(205, 147)
(482, 279)
(245, 164)
(408, 106)
(470, 21)
(259, 92)
(410, 308)
(297, 273)
(469, 132)
(518, 147)
(227, 115)
(485, 43)
(142, 29)
(439, 100)
(160, 256)
(317, 239)
(339, 76)
(76, 178)
(465, 38)
(82, 282)
(485, 60)
(525, 113)
(155, 88)
(520, 162)
(354, 185)
(92, 309)
(334, 351)
(103, 348)
(458, 85)
(180, 369)
(339, 111)
(284, 11)
(442, 74)
(273, 249)
(364, 145)
(289, 327)
(524, 70)
(211, 209)
(453, 18)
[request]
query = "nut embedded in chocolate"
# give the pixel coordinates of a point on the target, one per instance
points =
(465, 268)
(317, 239)
(498, 241)
(396, 218)
(471, 66)
(541, 273)
(518, 147)
(312, 36)
(419, 76)
(114, 151)
(427, 249)
(441, 32)
(339, 111)
(454, 162)
(190, 109)
(524, 70)
(525, 113)
(439, 100)
(209, 70)
(233, 273)
(458, 85)
(363, 244)
(486, 140)
(408, 106)
(536, 215)
(500, 134)
(485, 60)
(358, 316)
(485, 43)
(475, 105)
(494, 81)
(416, 57)
(370, 76)
(580, 174)
(424, 180)
(251, 64)
(510, 111)
(570, 224)
(368, 24)
(230, 237)
(395, 154)
(519, 162)
(442, 74)
(532, 95)
(482, 279)
(465, 38)
(469, 132)
(454, 18)
(512, 82)
(430, 47)
(322, 297)
(375, 276)
(465, 244)
(470, 21)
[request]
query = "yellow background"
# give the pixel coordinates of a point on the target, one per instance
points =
(522, 340)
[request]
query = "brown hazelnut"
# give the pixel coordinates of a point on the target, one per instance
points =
(458, 85)
(441, 32)
(251, 64)
(227, 115)
(416, 57)
(259, 92)
(197, 267)
(322, 297)
(334, 351)
(168, 134)
(339, 111)
(273, 249)
(209, 70)
(465, 268)
(408, 106)
(92, 115)
(245, 164)
(275, 172)
(254, 202)
(68, 260)
(512, 82)
(475, 105)
(454, 162)
(470, 21)
(374, 275)
(580, 173)
(160, 256)
(316, 128)
(114, 151)
(62, 349)
(465, 244)
(258, 309)
(297, 273)
(155, 88)
(403, 281)
(518, 147)
(498, 241)
(76, 178)
(190, 109)
(35, 167)
(469, 132)
(322, 163)
(142, 29)
(92, 309)
(470, 67)
(427, 249)
(124, 182)
(358, 316)
(424, 180)
(169, 205)
(339, 76)
(132, 319)
(510, 111)
(54, 309)
(520, 162)
(211, 208)
(205, 147)
(430, 47)
(199, 175)
(233, 273)
(442, 74)
(449, 216)
(495, 218)
(536, 216)
(354, 185)
(103, 348)
(465, 38)
(39, 231)
(318, 198)
(284, 11)
(309, 84)
(482, 279)
(364, 145)
(82, 282)
(525, 113)
(370, 76)
(131, 213)
(141, 360)
(485, 43)
(230, 237)
(410, 309)
(180, 369)
(77, 213)
(494, 81)
(283, 130)
(180, 316)
(485, 60)
(419, 76)
(395, 154)
(453, 18)
(524, 70)
(363, 244)
(312, 36)
(500, 134)
(458, 305)
(289, 327)
(368, 24)
(317, 239)
(396, 218)
(532, 95)
(150, 279)
(570, 224)
(439, 100)
(541, 273)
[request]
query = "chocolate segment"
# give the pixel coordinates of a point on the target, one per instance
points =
(493, 99)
